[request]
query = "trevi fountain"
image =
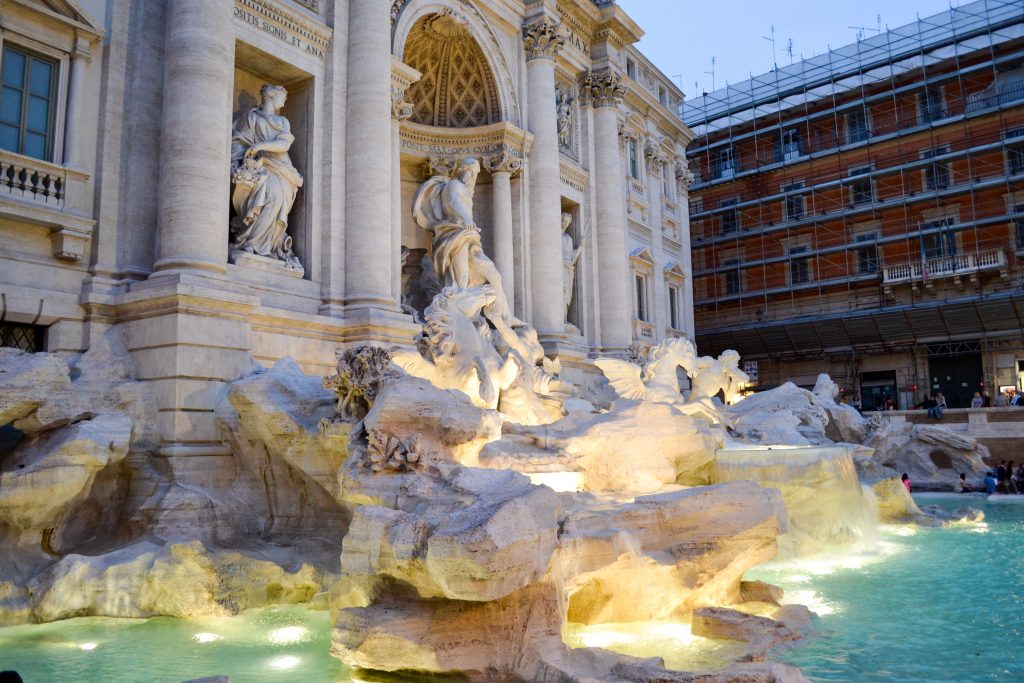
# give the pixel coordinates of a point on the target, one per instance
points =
(453, 509)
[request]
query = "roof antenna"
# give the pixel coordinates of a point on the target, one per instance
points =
(712, 73)
(772, 41)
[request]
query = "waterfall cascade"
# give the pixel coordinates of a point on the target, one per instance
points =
(826, 505)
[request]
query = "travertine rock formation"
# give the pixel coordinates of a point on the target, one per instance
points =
(634, 447)
(929, 454)
(96, 523)
(433, 563)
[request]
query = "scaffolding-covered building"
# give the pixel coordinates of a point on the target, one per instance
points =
(862, 212)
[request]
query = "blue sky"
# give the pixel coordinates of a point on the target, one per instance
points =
(683, 35)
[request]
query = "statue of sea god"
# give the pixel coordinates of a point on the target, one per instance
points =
(264, 180)
(444, 208)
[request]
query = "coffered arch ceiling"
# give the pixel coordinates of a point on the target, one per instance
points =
(457, 88)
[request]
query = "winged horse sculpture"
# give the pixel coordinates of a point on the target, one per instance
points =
(658, 381)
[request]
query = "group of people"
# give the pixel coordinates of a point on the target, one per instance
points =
(1010, 397)
(934, 406)
(1004, 479)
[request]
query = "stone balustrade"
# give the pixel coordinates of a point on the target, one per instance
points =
(48, 194)
(947, 266)
(35, 180)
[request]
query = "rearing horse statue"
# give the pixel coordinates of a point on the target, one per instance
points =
(657, 380)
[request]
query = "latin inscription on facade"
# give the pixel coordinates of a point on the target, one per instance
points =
(288, 28)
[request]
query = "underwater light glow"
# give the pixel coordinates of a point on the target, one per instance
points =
(203, 637)
(812, 600)
(287, 634)
(285, 662)
(88, 647)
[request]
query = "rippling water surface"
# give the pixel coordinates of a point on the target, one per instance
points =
(929, 605)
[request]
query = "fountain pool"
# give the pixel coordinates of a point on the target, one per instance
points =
(930, 605)
(274, 644)
(927, 605)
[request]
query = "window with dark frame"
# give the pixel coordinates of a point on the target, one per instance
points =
(1014, 138)
(936, 174)
(867, 253)
(725, 164)
(790, 146)
(673, 307)
(794, 201)
(733, 277)
(641, 297)
(933, 106)
(28, 89)
(1018, 225)
(856, 126)
(799, 268)
(861, 188)
(730, 217)
(937, 240)
(634, 159)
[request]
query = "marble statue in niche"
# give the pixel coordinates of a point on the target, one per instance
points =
(444, 208)
(264, 181)
(563, 105)
(570, 257)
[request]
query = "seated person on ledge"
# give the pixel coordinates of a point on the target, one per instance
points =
(990, 482)
(961, 485)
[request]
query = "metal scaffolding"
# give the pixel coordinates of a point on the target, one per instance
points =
(892, 130)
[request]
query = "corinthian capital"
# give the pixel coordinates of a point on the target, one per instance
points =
(602, 88)
(543, 39)
(504, 162)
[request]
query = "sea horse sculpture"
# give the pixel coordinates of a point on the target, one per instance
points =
(658, 382)
(455, 349)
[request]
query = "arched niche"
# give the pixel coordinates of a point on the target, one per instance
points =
(421, 35)
(456, 88)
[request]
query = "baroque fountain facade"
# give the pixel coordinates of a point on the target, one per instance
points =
(458, 507)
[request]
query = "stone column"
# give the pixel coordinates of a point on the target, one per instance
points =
(195, 144)
(605, 93)
(76, 91)
(502, 167)
(684, 178)
(369, 249)
(653, 162)
(402, 76)
(543, 41)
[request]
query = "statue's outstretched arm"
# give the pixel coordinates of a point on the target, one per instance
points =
(282, 143)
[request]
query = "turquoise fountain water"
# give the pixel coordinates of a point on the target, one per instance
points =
(927, 605)
(931, 605)
(276, 644)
